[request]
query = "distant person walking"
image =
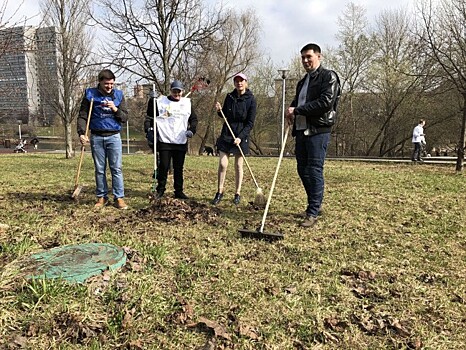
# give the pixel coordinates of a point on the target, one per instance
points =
(176, 122)
(239, 109)
(312, 114)
(418, 140)
(107, 115)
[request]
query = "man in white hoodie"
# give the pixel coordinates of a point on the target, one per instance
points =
(418, 141)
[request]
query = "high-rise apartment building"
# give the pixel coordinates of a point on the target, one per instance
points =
(28, 75)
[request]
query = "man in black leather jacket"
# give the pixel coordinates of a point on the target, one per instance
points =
(312, 114)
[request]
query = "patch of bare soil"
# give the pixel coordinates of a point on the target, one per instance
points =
(170, 209)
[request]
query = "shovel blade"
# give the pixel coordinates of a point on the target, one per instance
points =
(267, 236)
(77, 191)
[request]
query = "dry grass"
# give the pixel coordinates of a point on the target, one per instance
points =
(385, 268)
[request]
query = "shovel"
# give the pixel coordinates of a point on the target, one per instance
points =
(77, 187)
(260, 233)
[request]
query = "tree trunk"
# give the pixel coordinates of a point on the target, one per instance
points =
(68, 141)
(206, 136)
(461, 145)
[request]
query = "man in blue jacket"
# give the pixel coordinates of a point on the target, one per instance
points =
(107, 115)
(312, 114)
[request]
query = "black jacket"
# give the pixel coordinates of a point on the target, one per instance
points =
(322, 97)
(240, 112)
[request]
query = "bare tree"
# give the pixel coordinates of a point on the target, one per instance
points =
(266, 86)
(15, 40)
(154, 38)
(73, 42)
(351, 60)
(232, 49)
(391, 80)
(443, 33)
(9, 15)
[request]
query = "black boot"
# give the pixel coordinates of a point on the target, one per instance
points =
(180, 195)
(218, 197)
(237, 199)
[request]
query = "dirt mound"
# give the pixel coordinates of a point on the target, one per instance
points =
(170, 209)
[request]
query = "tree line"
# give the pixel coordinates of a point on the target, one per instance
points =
(395, 69)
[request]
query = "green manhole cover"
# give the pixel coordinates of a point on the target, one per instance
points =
(74, 263)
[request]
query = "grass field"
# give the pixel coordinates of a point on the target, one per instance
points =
(385, 268)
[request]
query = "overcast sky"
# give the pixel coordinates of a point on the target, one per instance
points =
(289, 25)
(286, 25)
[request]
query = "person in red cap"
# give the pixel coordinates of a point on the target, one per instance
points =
(239, 109)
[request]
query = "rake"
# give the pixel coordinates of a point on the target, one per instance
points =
(200, 84)
(260, 233)
(259, 199)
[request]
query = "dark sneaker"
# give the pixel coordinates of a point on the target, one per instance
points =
(308, 222)
(218, 197)
(120, 204)
(181, 195)
(237, 199)
(101, 202)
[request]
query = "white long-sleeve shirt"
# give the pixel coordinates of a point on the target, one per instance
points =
(418, 134)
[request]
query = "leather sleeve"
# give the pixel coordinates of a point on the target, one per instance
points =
(325, 101)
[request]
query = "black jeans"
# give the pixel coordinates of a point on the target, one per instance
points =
(417, 151)
(164, 165)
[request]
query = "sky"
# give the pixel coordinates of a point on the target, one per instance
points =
(286, 25)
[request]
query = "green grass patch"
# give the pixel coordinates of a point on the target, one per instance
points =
(385, 267)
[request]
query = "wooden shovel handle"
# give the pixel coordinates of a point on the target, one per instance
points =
(83, 148)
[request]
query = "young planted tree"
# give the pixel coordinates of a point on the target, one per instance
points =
(73, 43)
(443, 35)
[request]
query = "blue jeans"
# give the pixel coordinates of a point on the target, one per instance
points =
(108, 148)
(310, 156)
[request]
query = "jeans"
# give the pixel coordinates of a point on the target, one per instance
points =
(178, 158)
(417, 151)
(108, 148)
(310, 156)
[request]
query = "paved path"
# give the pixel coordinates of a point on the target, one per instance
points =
(427, 160)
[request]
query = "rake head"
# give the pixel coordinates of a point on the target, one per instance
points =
(257, 234)
(200, 84)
